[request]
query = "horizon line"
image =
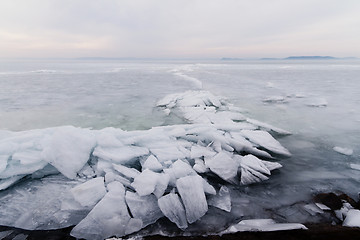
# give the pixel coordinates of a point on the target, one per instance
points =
(292, 57)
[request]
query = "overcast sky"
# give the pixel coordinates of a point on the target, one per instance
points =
(179, 28)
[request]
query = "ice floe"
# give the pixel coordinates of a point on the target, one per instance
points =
(262, 225)
(108, 218)
(355, 166)
(222, 200)
(122, 181)
(317, 102)
(275, 99)
(192, 194)
(173, 209)
(344, 151)
(352, 218)
(90, 192)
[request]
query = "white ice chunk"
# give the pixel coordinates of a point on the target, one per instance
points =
(208, 188)
(103, 166)
(352, 218)
(355, 166)
(173, 209)
(145, 182)
(248, 177)
(268, 127)
(345, 151)
(15, 168)
(145, 208)
(198, 151)
(69, 149)
(192, 195)
(121, 155)
(265, 140)
(275, 99)
(199, 166)
(322, 206)
(127, 172)
(7, 182)
(71, 205)
(252, 162)
(152, 163)
(313, 209)
(222, 165)
(90, 192)
(197, 114)
(317, 102)
(167, 153)
(263, 225)
(342, 212)
(161, 185)
(271, 165)
(107, 138)
(234, 116)
(253, 170)
(27, 157)
(222, 200)
(179, 169)
(110, 176)
(240, 144)
(108, 218)
(86, 172)
(3, 162)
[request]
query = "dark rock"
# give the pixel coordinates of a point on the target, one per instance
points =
(329, 199)
(348, 199)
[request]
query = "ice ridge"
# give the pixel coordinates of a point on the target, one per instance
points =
(151, 173)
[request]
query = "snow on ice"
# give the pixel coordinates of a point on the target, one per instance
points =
(126, 181)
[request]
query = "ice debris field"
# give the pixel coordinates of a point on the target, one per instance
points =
(112, 182)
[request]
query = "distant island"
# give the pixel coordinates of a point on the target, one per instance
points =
(309, 58)
(294, 58)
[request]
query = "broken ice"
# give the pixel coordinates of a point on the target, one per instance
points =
(123, 181)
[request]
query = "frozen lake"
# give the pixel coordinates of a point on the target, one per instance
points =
(317, 101)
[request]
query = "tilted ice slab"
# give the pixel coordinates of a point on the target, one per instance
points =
(345, 151)
(262, 225)
(145, 172)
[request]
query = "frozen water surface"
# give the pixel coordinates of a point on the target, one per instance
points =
(247, 139)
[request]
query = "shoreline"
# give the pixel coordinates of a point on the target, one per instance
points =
(316, 231)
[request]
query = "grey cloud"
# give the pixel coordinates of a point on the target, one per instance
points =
(171, 28)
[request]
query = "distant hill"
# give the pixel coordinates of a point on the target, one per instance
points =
(271, 58)
(294, 58)
(230, 59)
(309, 58)
(104, 58)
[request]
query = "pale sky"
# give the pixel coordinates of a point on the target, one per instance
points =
(179, 28)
